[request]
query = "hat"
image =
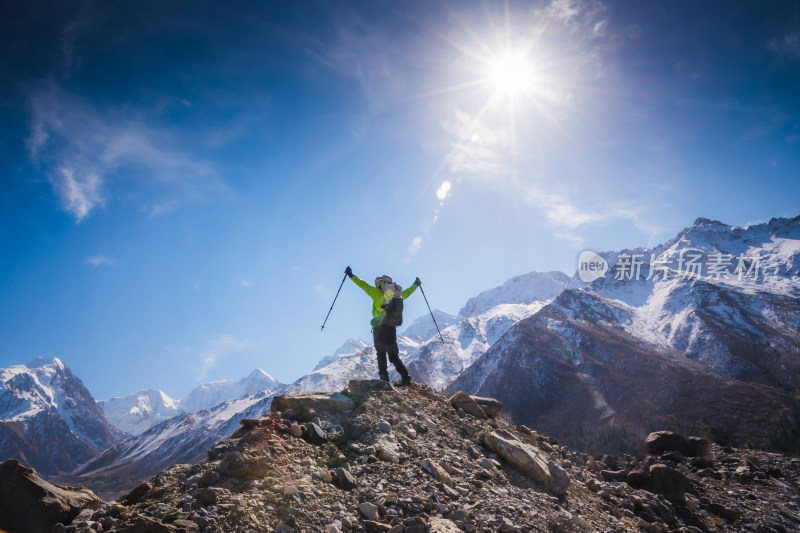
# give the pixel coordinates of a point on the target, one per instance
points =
(382, 279)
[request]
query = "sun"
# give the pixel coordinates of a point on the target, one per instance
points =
(511, 74)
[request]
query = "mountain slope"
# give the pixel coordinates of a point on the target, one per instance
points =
(692, 351)
(182, 439)
(48, 420)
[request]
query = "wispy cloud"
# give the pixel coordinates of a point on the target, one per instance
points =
(100, 260)
(246, 283)
(567, 215)
(81, 148)
(786, 45)
(217, 349)
(368, 55)
(589, 17)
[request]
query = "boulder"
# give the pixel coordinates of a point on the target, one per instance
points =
(528, 460)
(667, 481)
(242, 465)
(315, 433)
(344, 479)
(30, 503)
(134, 495)
(387, 449)
(308, 406)
(490, 406)
(462, 400)
(359, 388)
(614, 475)
(369, 510)
(702, 447)
(660, 442)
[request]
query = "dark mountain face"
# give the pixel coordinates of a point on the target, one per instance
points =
(576, 371)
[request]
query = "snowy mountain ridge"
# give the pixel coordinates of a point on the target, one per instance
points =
(140, 411)
(716, 346)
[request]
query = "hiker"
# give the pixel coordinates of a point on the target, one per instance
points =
(387, 296)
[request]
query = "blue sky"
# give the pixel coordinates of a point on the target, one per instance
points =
(183, 183)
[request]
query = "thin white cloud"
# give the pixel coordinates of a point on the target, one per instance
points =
(365, 53)
(246, 283)
(217, 349)
(81, 148)
(565, 214)
(78, 188)
(589, 17)
(786, 45)
(100, 260)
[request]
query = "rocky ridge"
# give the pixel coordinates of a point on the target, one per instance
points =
(373, 458)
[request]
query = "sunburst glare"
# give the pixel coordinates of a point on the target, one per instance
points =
(512, 74)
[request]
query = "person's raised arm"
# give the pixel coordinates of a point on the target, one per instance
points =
(409, 291)
(366, 287)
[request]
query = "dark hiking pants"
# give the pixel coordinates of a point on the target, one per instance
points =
(385, 338)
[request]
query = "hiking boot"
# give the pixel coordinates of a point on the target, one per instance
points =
(383, 376)
(405, 382)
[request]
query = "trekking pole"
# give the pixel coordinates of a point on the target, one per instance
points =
(431, 312)
(334, 301)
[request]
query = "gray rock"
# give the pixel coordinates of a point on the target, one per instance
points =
(344, 479)
(442, 525)
(667, 481)
(315, 433)
(529, 461)
(358, 389)
(660, 442)
(702, 447)
(490, 406)
(242, 465)
(462, 400)
(30, 503)
(308, 405)
(369, 510)
(439, 473)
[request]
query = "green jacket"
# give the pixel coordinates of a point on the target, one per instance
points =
(376, 293)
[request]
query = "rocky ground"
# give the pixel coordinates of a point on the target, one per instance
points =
(410, 460)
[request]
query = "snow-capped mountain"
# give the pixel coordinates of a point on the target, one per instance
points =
(526, 289)
(208, 395)
(138, 412)
(710, 339)
(350, 347)
(48, 420)
(423, 328)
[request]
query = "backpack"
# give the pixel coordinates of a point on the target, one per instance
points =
(393, 306)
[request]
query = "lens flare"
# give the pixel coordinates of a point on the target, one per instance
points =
(444, 188)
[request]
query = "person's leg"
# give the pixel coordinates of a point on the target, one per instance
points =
(379, 339)
(394, 356)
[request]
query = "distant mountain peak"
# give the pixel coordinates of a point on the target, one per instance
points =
(39, 362)
(701, 221)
